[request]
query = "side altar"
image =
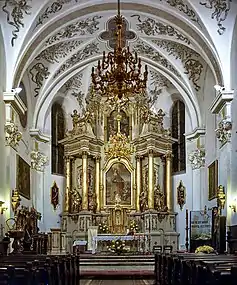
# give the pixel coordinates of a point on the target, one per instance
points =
(118, 171)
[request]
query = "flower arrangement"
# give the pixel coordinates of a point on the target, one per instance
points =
(117, 246)
(133, 227)
(103, 228)
(205, 249)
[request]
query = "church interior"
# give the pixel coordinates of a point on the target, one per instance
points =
(118, 142)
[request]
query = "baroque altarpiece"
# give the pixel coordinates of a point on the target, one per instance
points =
(118, 169)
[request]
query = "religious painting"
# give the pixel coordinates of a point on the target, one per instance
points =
(54, 195)
(23, 177)
(112, 124)
(118, 185)
(212, 180)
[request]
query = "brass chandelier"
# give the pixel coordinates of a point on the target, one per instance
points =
(119, 72)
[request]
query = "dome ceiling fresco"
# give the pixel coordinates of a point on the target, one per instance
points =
(56, 43)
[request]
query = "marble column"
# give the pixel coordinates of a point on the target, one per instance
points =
(138, 181)
(169, 192)
(150, 179)
(84, 181)
(68, 184)
(97, 181)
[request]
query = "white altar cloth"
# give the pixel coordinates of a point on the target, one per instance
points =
(104, 237)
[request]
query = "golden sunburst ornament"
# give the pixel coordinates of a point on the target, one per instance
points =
(118, 147)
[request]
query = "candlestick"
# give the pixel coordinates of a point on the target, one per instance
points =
(186, 244)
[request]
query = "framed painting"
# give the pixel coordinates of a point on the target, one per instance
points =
(23, 177)
(118, 185)
(212, 180)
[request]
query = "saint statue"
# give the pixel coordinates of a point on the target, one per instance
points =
(75, 119)
(76, 201)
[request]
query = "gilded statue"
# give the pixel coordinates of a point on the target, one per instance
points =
(143, 198)
(75, 119)
(159, 200)
(76, 201)
(92, 205)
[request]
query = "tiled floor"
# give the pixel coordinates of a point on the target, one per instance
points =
(116, 282)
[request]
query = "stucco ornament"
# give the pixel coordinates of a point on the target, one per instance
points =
(197, 158)
(38, 160)
(223, 132)
(12, 135)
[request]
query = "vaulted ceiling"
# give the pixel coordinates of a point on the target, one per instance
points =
(54, 44)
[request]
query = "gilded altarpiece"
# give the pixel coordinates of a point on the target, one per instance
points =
(118, 169)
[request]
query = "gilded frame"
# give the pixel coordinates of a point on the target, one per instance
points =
(212, 180)
(131, 169)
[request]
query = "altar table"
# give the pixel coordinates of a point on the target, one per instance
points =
(105, 237)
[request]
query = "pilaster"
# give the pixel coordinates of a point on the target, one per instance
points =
(196, 157)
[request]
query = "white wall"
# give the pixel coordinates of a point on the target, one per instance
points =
(233, 157)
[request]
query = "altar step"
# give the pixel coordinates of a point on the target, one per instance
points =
(122, 266)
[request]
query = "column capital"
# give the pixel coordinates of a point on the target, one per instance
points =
(151, 152)
(223, 97)
(168, 155)
(84, 153)
(138, 157)
(97, 157)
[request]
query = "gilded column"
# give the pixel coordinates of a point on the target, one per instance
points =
(151, 179)
(169, 192)
(84, 181)
(138, 181)
(68, 183)
(97, 182)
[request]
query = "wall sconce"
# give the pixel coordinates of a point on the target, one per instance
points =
(2, 209)
(233, 206)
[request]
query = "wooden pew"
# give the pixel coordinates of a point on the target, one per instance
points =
(193, 269)
(52, 270)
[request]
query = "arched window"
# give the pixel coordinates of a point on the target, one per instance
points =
(178, 130)
(57, 133)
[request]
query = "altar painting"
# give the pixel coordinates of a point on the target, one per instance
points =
(118, 185)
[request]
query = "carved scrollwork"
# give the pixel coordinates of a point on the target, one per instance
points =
(144, 49)
(223, 132)
(184, 8)
(38, 160)
(221, 9)
(54, 53)
(15, 10)
(190, 59)
(150, 27)
(38, 74)
(55, 7)
(13, 136)
(88, 51)
(197, 158)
